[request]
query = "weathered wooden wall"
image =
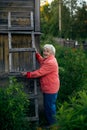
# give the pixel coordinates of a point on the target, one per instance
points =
(15, 17)
(19, 31)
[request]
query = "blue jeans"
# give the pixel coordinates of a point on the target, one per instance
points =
(50, 107)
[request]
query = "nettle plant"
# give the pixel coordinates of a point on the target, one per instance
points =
(13, 106)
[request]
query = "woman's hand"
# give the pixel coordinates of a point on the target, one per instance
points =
(27, 74)
(24, 73)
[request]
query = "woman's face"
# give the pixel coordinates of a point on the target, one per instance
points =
(46, 52)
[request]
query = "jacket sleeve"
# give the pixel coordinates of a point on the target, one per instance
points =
(44, 70)
(39, 58)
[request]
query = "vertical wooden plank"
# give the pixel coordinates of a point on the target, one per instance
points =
(9, 41)
(6, 53)
(37, 15)
(32, 19)
(10, 55)
(33, 40)
(1, 53)
(34, 65)
(9, 19)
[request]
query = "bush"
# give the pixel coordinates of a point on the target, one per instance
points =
(72, 115)
(73, 71)
(13, 106)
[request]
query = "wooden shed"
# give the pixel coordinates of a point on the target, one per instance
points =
(18, 19)
(19, 34)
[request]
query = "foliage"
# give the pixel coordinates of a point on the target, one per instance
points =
(13, 106)
(72, 115)
(45, 16)
(73, 19)
(80, 22)
(73, 71)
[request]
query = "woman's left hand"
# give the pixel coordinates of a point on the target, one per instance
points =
(24, 73)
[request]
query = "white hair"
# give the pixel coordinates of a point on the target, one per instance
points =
(51, 47)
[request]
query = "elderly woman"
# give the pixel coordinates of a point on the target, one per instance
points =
(49, 80)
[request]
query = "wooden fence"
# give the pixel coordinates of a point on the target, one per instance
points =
(70, 43)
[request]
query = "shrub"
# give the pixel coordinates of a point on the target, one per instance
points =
(72, 115)
(73, 71)
(13, 106)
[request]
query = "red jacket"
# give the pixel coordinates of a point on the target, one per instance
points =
(48, 73)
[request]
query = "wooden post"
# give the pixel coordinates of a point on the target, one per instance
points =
(34, 64)
(9, 41)
(9, 19)
(37, 15)
(59, 15)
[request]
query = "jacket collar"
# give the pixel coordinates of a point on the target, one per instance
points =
(48, 58)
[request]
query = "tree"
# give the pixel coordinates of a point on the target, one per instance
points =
(73, 19)
(80, 24)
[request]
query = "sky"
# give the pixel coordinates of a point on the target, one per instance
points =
(83, 0)
(52, 0)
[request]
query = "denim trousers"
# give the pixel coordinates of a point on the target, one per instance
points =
(50, 107)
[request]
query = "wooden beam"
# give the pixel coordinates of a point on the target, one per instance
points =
(16, 50)
(37, 15)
